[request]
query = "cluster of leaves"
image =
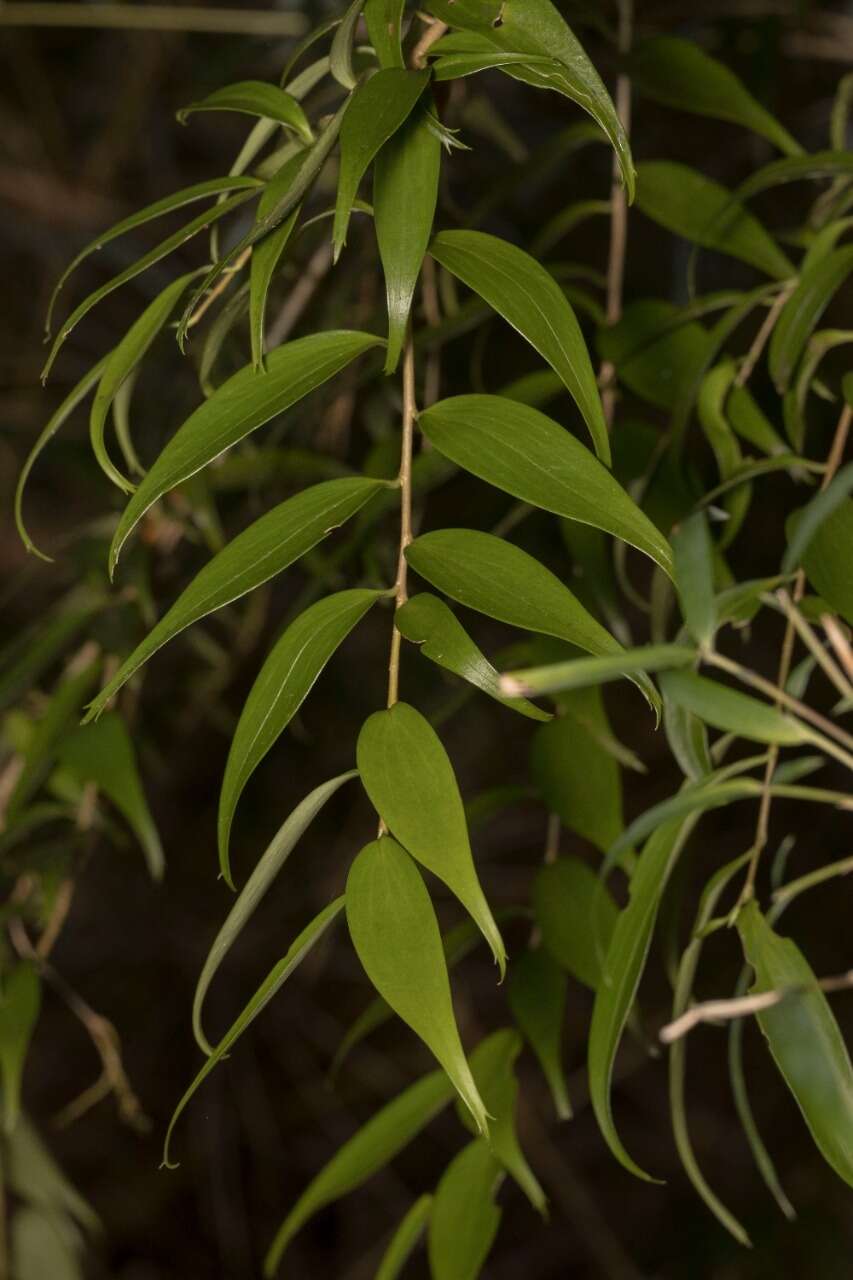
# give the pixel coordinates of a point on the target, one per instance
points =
(677, 494)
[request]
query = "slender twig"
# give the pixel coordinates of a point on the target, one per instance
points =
(228, 274)
(743, 1006)
(813, 644)
(434, 31)
(839, 642)
(618, 213)
(761, 339)
(155, 17)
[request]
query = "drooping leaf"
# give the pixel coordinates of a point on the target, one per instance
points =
(687, 737)
(828, 563)
(464, 1219)
(42, 1245)
(713, 390)
(427, 621)
(582, 673)
(410, 781)
(751, 423)
(527, 454)
(680, 74)
(405, 1239)
(275, 979)
(405, 189)
(284, 681)
(20, 1001)
(376, 110)
(394, 930)
(694, 576)
(243, 403)
(453, 63)
(257, 554)
(103, 753)
(805, 523)
(731, 710)
(699, 209)
(522, 291)
(383, 18)
(255, 98)
(820, 164)
(577, 917)
(32, 1174)
(804, 1039)
(655, 350)
(803, 310)
(266, 255)
(341, 49)
(537, 998)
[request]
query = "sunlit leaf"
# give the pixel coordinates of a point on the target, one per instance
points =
(464, 1219)
(537, 998)
(255, 98)
(577, 917)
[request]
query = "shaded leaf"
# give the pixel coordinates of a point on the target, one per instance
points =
(806, 522)
(383, 18)
(41, 1247)
(33, 1174)
(464, 1219)
(405, 1239)
(20, 1002)
(828, 563)
(731, 710)
(803, 310)
(577, 917)
(266, 255)
(340, 52)
(655, 350)
(537, 998)
(694, 576)
(255, 98)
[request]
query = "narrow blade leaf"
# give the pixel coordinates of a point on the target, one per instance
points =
(577, 917)
(731, 710)
(255, 98)
(20, 1002)
(537, 998)
(405, 1239)
(464, 1219)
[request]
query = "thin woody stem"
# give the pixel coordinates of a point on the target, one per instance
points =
(618, 213)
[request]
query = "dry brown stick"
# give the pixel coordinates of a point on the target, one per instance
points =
(221, 285)
(434, 31)
(743, 1006)
(618, 213)
(813, 644)
(761, 339)
(839, 642)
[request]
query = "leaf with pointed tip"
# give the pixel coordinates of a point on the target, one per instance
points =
(820, 164)
(104, 754)
(699, 209)
(275, 979)
(522, 291)
(33, 1174)
(577, 917)
(583, 673)
(803, 310)
(464, 1219)
(405, 190)
(164, 248)
(751, 423)
(694, 576)
(806, 522)
(340, 52)
(255, 98)
(827, 560)
(20, 1001)
(282, 685)
(410, 781)
(121, 362)
(804, 1039)
(257, 554)
(266, 255)
(405, 1239)
(375, 112)
(680, 74)
(242, 404)
(394, 930)
(621, 972)
(655, 351)
(383, 19)
(537, 998)
(733, 711)
(427, 621)
(527, 454)
(453, 66)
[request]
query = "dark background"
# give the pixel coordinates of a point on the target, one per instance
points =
(87, 134)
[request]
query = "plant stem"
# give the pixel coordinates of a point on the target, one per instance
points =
(761, 339)
(401, 593)
(618, 212)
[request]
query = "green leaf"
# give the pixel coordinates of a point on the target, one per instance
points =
(257, 554)
(410, 781)
(537, 998)
(376, 111)
(255, 98)
(679, 74)
(20, 1002)
(365, 1153)
(655, 350)
(383, 18)
(694, 576)
(520, 450)
(622, 969)
(536, 27)
(522, 291)
(33, 1175)
(714, 389)
(828, 563)
(164, 248)
(583, 673)
(804, 1039)
(577, 917)
(340, 53)
(687, 738)
(821, 164)
(242, 404)
(119, 365)
(103, 753)
(268, 866)
(405, 190)
(455, 64)
(405, 1239)
(806, 522)
(750, 422)
(427, 621)
(43, 1246)
(282, 685)
(691, 205)
(464, 1219)
(266, 255)
(803, 310)
(731, 710)
(394, 930)
(275, 979)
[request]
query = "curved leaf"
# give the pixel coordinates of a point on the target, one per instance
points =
(694, 576)
(577, 917)
(537, 998)
(584, 673)
(522, 291)
(803, 310)
(266, 255)
(394, 930)
(410, 781)
(464, 1219)
(820, 164)
(340, 52)
(257, 554)
(20, 1002)
(806, 522)
(243, 403)
(828, 563)
(655, 350)
(255, 98)
(405, 1239)
(731, 710)
(383, 18)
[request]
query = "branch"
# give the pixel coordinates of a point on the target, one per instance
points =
(743, 1006)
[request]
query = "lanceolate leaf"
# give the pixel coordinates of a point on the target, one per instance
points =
(243, 403)
(680, 74)
(806, 523)
(376, 111)
(255, 98)
(405, 189)
(583, 673)
(340, 52)
(266, 255)
(537, 998)
(731, 710)
(803, 310)
(694, 578)
(527, 454)
(828, 563)
(394, 930)
(522, 291)
(804, 1038)
(120, 364)
(383, 18)
(269, 545)
(464, 1219)
(577, 917)
(405, 1239)
(103, 753)
(274, 980)
(696, 207)
(283, 683)
(655, 350)
(622, 969)
(410, 782)
(821, 164)
(452, 65)
(20, 1001)
(429, 622)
